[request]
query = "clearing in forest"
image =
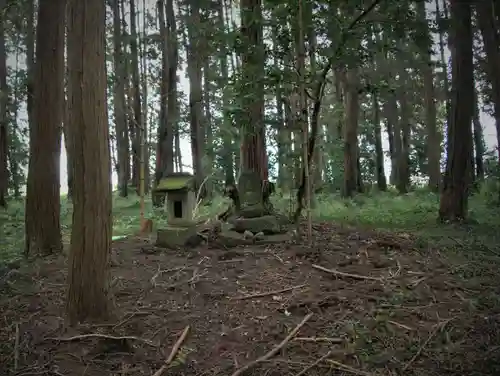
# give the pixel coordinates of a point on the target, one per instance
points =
(374, 303)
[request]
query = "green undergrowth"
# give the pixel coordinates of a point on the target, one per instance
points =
(415, 212)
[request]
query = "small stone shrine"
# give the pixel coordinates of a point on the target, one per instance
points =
(180, 201)
(254, 220)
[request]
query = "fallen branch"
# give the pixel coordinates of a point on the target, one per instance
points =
(346, 368)
(311, 366)
(262, 294)
(173, 352)
(105, 336)
(275, 350)
(348, 275)
(400, 325)
(160, 272)
(193, 279)
(319, 339)
(424, 345)
(16, 348)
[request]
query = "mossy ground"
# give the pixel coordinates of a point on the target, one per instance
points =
(424, 299)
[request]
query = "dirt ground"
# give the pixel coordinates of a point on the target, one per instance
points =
(384, 308)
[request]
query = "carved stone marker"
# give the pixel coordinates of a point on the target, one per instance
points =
(255, 221)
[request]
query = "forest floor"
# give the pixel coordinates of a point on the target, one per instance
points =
(388, 303)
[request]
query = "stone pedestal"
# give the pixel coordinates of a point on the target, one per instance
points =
(175, 236)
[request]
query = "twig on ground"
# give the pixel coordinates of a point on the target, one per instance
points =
(98, 335)
(424, 345)
(348, 275)
(160, 272)
(311, 366)
(346, 368)
(275, 350)
(416, 282)
(173, 352)
(262, 294)
(319, 339)
(193, 279)
(232, 260)
(129, 317)
(16, 348)
(400, 325)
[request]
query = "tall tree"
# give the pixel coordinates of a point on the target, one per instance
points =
(489, 32)
(119, 110)
(478, 139)
(4, 95)
(168, 89)
(379, 153)
(228, 160)
(172, 123)
(135, 96)
(43, 206)
(30, 59)
(424, 43)
(194, 62)
(454, 197)
(91, 232)
(351, 133)
(253, 153)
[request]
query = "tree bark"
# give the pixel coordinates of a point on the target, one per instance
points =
(433, 146)
(454, 197)
(194, 65)
(478, 139)
(393, 135)
(227, 131)
(379, 153)
(4, 93)
(121, 130)
(489, 32)
(43, 207)
(351, 134)
(168, 92)
(91, 233)
(253, 153)
(136, 118)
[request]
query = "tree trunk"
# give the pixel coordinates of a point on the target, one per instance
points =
(489, 32)
(168, 89)
(351, 134)
(136, 96)
(194, 65)
(67, 127)
(144, 72)
(164, 155)
(43, 207)
(393, 135)
(253, 153)
(4, 95)
(379, 153)
(478, 139)
(444, 63)
(121, 130)
(208, 129)
(228, 159)
(30, 59)
(454, 197)
(92, 222)
(433, 145)
(172, 103)
(403, 181)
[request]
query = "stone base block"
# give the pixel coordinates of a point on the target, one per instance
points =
(173, 237)
(234, 239)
